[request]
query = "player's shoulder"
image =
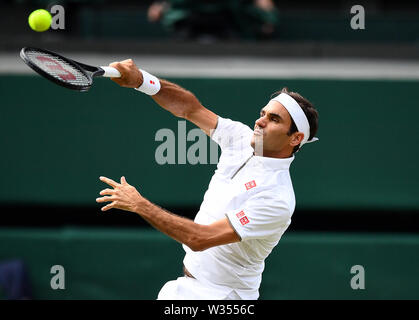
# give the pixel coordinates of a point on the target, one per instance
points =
(229, 126)
(229, 134)
(279, 196)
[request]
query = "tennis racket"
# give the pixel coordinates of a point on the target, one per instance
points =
(64, 71)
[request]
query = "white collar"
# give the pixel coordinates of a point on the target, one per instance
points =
(274, 163)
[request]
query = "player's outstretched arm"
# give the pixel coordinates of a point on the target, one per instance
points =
(196, 236)
(175, 99)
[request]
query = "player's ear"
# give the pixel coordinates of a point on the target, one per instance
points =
(296, 139)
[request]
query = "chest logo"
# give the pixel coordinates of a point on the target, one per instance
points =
(250, 185)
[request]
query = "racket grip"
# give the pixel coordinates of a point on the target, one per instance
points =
(111, 72)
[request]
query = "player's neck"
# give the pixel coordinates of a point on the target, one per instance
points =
(279, 154)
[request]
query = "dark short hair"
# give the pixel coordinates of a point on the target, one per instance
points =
(309, 110)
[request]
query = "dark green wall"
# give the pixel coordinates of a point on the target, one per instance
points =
(55, 143)
(135, 263)
(309, 25)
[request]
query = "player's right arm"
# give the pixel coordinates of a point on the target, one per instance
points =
(171, 97)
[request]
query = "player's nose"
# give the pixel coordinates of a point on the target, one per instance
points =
(261, 122)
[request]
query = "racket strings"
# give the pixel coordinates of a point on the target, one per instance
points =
(58, 68)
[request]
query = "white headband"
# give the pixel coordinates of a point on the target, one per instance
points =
(297, 114)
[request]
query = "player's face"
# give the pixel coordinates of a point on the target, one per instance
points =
(271, 130)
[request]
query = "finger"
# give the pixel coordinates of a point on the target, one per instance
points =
(127, 61)
(115, 64)
(105, 199)
(123, 180)
(109, 181)
(107, 192)
(117, 81)
(118, 66)
(108, 206)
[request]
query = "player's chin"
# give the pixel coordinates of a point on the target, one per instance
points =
(252, 142)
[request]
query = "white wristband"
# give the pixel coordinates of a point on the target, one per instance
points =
(150, 85)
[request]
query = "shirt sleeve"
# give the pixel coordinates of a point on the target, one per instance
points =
(231, 135)
(262, 216)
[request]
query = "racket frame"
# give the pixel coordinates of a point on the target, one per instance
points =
(95, 71)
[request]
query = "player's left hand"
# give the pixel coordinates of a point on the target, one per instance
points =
(123, 196)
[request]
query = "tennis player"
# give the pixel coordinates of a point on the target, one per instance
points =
(249, 201)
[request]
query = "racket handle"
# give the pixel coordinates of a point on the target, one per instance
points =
(111, 72)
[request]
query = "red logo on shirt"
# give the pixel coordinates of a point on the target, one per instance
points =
(244, 220)
(242, 217)
(250, 185)
(240, 214)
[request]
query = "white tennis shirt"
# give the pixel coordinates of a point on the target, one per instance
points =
(256, 195)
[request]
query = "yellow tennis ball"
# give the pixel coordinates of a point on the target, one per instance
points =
(40, 20)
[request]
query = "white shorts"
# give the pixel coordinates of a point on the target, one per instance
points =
(187, 288)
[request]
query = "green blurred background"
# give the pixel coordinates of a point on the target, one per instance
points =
(57, 142)
(357, 189)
